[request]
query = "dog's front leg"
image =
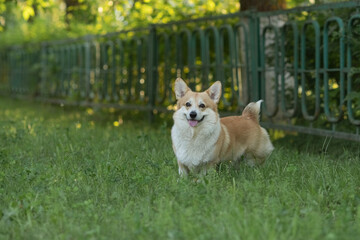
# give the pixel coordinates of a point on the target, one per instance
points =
(183, 170)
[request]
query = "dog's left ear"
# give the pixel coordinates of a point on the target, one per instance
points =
(215, 91)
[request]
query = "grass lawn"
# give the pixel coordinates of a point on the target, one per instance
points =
(78, 174)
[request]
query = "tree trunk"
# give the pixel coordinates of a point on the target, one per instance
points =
(70, 7)
(262, 5)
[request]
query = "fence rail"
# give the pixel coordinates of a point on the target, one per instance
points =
(304, 62)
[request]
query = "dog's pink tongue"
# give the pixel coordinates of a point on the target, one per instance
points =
(193, 123)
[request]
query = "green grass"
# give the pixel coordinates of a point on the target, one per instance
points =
(71, 174)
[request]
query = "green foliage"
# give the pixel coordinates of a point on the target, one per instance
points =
(74, 174)
(20, 24)
(39, 20)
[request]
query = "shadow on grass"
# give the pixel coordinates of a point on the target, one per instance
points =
(319, 145)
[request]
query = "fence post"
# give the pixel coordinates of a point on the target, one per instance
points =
(43, 69)
(151, 72)
(254, 56)
(87, 66)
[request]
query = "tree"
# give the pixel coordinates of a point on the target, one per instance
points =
(39, 20)
(262, 5)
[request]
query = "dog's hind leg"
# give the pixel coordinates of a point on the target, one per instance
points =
(258, 157)
(250, 160)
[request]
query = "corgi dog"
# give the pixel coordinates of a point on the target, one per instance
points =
(201, 139)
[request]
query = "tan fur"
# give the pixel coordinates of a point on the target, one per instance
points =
(244, 133)
(225, 139)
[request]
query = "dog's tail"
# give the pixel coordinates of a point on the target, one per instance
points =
(252, 110)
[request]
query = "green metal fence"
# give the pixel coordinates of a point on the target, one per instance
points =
(304, 62)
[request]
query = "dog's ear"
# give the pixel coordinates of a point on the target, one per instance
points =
(180, 88)
(215, 91)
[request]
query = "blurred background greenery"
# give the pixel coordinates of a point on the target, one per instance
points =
(23, 21)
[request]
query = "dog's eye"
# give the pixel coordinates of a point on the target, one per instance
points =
(188, 104)
(202, 105)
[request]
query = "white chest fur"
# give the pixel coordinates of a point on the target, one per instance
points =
(195, 146)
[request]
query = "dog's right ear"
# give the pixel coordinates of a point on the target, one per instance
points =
(180, 88)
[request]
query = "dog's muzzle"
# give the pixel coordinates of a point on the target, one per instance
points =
(193, 122)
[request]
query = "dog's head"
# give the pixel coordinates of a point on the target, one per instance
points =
(197, 108)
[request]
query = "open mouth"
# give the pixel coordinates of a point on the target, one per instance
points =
(193, 123)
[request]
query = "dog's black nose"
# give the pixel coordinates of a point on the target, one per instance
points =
(193, 114)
